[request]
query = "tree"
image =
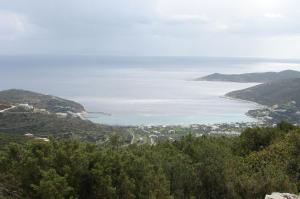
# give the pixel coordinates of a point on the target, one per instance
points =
(52, 186)
(115, 140)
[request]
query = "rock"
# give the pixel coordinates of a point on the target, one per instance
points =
(282, 196)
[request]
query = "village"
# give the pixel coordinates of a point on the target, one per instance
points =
(274, 114)
(152, 134)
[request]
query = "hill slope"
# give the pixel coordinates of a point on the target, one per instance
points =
(19, 120)
(50, 103)
(271, 93)
(252, 77)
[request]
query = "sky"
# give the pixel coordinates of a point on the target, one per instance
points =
(227, 28)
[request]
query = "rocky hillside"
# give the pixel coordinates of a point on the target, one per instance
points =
(282, 196)
(50, 103)
(252, 77)
(279, 92)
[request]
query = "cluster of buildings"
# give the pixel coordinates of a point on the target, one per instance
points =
(30, 135)
(151, 134)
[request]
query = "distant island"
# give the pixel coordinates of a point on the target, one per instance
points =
(252, 77)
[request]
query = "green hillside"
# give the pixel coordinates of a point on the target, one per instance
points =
(279, 92)
(258, 162)
(40, 101)
(21, 120)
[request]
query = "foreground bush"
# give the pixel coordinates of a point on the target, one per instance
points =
(260, 161)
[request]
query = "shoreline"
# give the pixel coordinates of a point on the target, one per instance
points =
(85, 115)
(256, 120)
(242, 100)
(102, 113)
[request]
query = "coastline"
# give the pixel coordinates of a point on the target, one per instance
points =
(82, 115)
(102, 113)
(92, 116)
(242, 100)
(258, 107)
(87, 115)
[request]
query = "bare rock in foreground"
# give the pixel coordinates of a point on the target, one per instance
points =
(282, 196)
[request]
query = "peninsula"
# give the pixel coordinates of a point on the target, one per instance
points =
(252, 77)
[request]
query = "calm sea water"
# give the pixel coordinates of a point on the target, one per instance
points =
(139, 90)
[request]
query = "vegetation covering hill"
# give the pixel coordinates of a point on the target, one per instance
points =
(43, 124)
(50, 116)
(252, 77)
(258, 162)
(279, 92)
(8, 138)
(40, 101)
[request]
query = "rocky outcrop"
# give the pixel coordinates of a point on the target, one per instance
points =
(282, 196)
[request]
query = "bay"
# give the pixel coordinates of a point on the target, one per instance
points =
(140, 90)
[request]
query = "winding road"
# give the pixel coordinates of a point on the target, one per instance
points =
(7, 109)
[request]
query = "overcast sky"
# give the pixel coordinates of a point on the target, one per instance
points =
(258, 28)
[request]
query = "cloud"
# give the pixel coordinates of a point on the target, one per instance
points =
(149, 27)
(11, 25)
(185, 19)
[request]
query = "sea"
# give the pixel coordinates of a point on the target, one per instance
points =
(119, 90)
